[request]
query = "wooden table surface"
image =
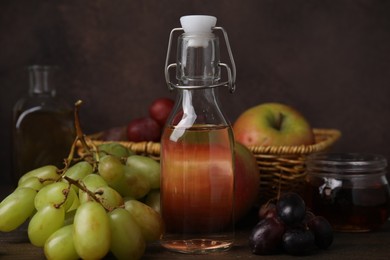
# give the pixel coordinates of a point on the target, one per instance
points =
(371, 245)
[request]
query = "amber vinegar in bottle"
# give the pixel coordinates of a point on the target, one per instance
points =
(197, 148)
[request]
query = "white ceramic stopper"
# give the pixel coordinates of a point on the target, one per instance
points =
(198, 25)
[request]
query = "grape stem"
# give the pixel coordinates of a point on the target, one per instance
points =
(42, 180)
(79, 184)
(80, 137)
(79, 132)
(88, 156)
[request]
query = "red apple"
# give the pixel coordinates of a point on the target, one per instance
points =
(160, 110)
(143, 129)
(272, 124)
(247, 181)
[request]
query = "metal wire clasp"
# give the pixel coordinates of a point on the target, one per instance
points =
(231, 71)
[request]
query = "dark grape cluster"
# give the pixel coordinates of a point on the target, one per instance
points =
(287, 226)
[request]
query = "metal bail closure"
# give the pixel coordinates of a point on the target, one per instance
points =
(231, 71)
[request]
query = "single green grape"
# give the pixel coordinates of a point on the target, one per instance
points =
(148, 220)
(109, 197)
(60, 246)
(111, 169)
(91, 182)
(94, 181)
(153, 200)
(34, 183)
(127, 241)
(137, 185)
(16, 208)
(78, 171)
(72, 196)
(48, 172)
(147, 167)
(113, 148)
(128, 198)
(55, 194)
(122, 179)
(121, 185)
(69, 217)
(91, 231)
(45, 222)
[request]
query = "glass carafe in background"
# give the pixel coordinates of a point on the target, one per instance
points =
(43, 128)
(197, 147)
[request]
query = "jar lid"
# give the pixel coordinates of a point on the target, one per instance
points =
(346, 162)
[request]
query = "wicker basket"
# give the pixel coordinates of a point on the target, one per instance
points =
(280, 167)
(283, 167)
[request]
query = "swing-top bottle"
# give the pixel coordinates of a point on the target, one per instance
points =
(197, 145)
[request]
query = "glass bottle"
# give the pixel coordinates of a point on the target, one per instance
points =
(349, 189)
(197, 147)
(43, 129)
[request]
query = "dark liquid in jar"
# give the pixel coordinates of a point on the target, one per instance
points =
(350, 209)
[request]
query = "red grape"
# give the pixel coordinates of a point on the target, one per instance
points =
(322, 230)
(286, 224)
(267, 210)
(266, 237)
(143, 129)
(291, 208)
(160, 110)
(298, 241)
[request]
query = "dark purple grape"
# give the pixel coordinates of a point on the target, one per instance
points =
(267, 210)
(308, 216)
(298, 241)
(291, 208)
(266, 236)
(322, 231)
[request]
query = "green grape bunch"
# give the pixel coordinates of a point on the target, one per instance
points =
(96, 205)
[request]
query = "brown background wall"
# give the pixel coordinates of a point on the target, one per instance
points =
(329, 59)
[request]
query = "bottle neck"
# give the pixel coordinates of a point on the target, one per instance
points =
(41, 81)
(198, 73)
(198, 107)
(198, 60)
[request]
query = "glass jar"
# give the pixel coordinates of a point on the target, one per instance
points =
(349, 189)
